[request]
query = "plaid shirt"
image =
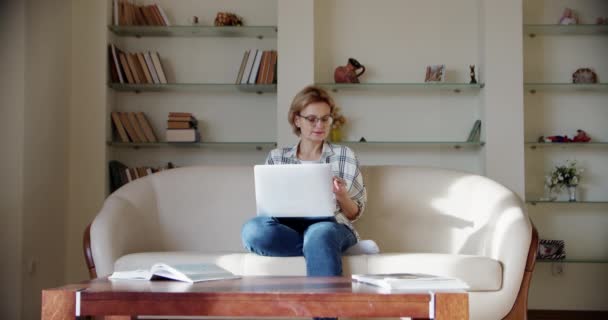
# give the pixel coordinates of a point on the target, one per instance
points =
(344, 164)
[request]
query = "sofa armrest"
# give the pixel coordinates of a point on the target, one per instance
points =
(88, 254)
(121, 228)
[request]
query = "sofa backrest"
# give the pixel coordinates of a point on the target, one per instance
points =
(409, 209)
(418, 209)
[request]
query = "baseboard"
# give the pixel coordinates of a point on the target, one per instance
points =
(566, 315)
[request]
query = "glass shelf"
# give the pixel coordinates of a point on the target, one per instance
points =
(456, 87)
(573, 261)
(259, 32)
(562, 202)
(535, 145)
(533, 87)
(454, 144)
(557, 29)
(194, 145)
(210, 87)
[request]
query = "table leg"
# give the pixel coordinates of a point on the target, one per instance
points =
(451, 306)
(58, 305)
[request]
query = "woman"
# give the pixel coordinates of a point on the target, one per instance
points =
(320, 240)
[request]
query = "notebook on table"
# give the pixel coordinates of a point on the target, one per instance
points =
(294, 190)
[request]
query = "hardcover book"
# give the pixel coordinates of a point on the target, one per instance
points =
(191, 273)
(410, 281)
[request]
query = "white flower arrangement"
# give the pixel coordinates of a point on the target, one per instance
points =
(563, 176)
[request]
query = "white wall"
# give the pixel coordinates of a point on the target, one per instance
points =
(86, 114)
(46, 144)
(34, 125)
(396, 40)
(582, 226)
(12, 105)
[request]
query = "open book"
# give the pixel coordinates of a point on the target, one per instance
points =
(181, 272)
(410, 281)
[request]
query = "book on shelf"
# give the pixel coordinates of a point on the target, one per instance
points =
(127, 13)
(191, 273)
(256, 66)
(117, 174)
(139, 132)
(249, 66)
(180, 114)
(410, 281)
(180, 124)
(144, 67)
(135, 67)
(132, 127)
(124, 119)
(475, 134)
(182, 135)
(158, 67)
(120, 174)
(146, 126)
(125, 67)
(150, 65)
(239, 76)
(119, 128)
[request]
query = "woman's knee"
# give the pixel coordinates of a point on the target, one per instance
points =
(254, 229)
(322, 233)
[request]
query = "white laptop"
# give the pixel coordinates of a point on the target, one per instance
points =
(294, 190)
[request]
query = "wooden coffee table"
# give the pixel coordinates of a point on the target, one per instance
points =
(249, 296)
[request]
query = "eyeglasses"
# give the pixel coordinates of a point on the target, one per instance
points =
(312, 120)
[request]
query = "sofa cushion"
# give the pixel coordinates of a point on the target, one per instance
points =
(480, 273)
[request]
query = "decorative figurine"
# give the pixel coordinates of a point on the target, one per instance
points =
(348, 73)
(568, 17)
(551, 249)
(584, 75)
(581, 136)
(472, 68)
(194, 20)
(223, 19)
(362, 139)
(435, 73)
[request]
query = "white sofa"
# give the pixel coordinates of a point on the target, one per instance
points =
(423, 219)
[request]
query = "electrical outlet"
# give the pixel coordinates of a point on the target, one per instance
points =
(557, 269)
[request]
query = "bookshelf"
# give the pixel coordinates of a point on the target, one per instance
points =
(556, 106)
(201, 64)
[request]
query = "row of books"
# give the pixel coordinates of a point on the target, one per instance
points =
(182, 127)
(120, 174)
(133, 127)
(135, 67)
(258, 67)
(126, 13)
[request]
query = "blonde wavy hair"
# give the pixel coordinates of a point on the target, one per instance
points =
(306, 96)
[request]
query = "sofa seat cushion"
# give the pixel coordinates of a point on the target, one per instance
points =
(479, 272)
(245, 264)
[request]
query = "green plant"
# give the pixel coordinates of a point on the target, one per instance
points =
(563, 176)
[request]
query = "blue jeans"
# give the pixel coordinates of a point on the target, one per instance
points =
(320, 240)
